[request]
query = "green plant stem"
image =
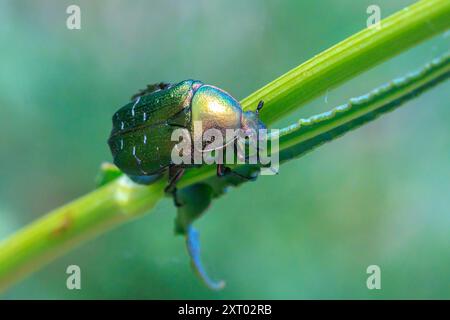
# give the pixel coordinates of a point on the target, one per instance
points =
(350, 57)
(307, 134)
(119, 201)
(339, 63)
(60, 230)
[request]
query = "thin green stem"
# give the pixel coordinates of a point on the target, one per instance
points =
(307, 134)
(350, 57)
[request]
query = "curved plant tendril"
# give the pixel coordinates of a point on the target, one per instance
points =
(193, 245)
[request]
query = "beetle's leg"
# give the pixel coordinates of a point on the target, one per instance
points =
(220, 170)
(223, 171)
(151, 88)
(193, 246)
(175, 174)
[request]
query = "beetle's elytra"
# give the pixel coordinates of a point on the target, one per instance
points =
(140, 139)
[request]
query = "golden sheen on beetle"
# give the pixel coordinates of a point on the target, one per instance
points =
(140, 140)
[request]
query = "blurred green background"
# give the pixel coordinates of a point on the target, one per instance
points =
(379, 195)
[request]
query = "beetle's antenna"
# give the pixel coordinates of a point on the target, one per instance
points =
(193, 246)
(260, 106)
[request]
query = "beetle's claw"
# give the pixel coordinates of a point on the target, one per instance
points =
(193, 246)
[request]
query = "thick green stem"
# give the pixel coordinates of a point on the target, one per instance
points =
(119, 201)
(60, 230)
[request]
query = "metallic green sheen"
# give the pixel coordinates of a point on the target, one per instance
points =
(140, 139)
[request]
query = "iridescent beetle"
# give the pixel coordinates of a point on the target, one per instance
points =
(140, 139)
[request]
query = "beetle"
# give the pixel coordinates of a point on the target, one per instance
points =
(140, 140)
(141, 144)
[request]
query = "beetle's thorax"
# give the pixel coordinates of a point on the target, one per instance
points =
(213, 108)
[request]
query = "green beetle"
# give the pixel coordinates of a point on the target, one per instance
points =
(140, 139)
(141, 144)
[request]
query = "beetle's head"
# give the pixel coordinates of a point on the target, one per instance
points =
(251, 126)
(251, 123)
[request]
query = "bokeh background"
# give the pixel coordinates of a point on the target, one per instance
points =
(379, 195)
